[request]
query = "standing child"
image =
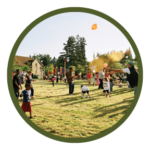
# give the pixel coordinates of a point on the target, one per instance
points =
(106, 87)
(26, 105)
(84, 90)
(53, 79)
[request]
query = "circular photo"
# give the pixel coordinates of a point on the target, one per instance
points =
(75, 74)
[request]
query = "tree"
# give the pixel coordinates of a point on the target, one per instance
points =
(46, 59)
(74, 52)
(48, 68)
(79, 69)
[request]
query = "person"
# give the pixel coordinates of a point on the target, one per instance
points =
(61, 78)
(101, 77)
(26, 105)
(111, 85)
(106, 87)
(93, 79)
(89, 75)
(17, 83)
(122, 77)
(22, 78)
(67, 83)
(70, 78)
(29, 79)
(132, 75)
(65, 78)
(84, 90)
(82, 76)
(53, 79)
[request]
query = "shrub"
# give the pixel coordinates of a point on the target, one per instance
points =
(35, 76)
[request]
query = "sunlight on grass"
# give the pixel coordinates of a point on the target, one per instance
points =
(59, 113)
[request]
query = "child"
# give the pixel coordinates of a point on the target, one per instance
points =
(106, 87)
(111, 85)
(53, 79)
(26, 105)
(84, 90)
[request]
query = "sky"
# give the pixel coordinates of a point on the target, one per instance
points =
(48, 36)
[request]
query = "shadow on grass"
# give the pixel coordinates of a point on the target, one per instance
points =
(108, 109)
(76, 98)
(122, 91)
(37, 104)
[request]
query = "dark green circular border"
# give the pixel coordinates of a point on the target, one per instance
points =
(25, 32)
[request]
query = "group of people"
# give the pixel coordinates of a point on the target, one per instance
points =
(105, 80)
(28, 93)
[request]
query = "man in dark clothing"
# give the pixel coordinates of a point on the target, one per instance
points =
(70, 78)
(17, 83)
(132, 75)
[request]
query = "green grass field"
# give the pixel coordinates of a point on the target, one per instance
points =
(57, 112)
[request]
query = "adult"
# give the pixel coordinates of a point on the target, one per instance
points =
(101, 77)
(22, 78)
(17, 83)
(132, 75)
(70, 78)
(29, 80)
(89, 75)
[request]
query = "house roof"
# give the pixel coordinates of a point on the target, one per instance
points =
(39, 62)
(22, 61)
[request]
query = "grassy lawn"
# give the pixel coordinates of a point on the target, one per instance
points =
(70, 116)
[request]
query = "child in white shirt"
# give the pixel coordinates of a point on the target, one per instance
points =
(106, 87)
(84, 90)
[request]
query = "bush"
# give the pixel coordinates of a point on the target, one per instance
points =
(35, 76)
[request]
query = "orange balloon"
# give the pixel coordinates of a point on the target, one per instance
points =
(105, 65)
(94, 26)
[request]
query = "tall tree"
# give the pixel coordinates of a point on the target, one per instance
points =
(74, 52)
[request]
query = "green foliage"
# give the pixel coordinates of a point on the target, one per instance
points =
(74, 53)
(35, 76)
(26, 68)
(116, 65)
(48, 68)
(73, 67)
(79, 69)
(46, 59)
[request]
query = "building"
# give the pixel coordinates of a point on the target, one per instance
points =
(37, 67)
